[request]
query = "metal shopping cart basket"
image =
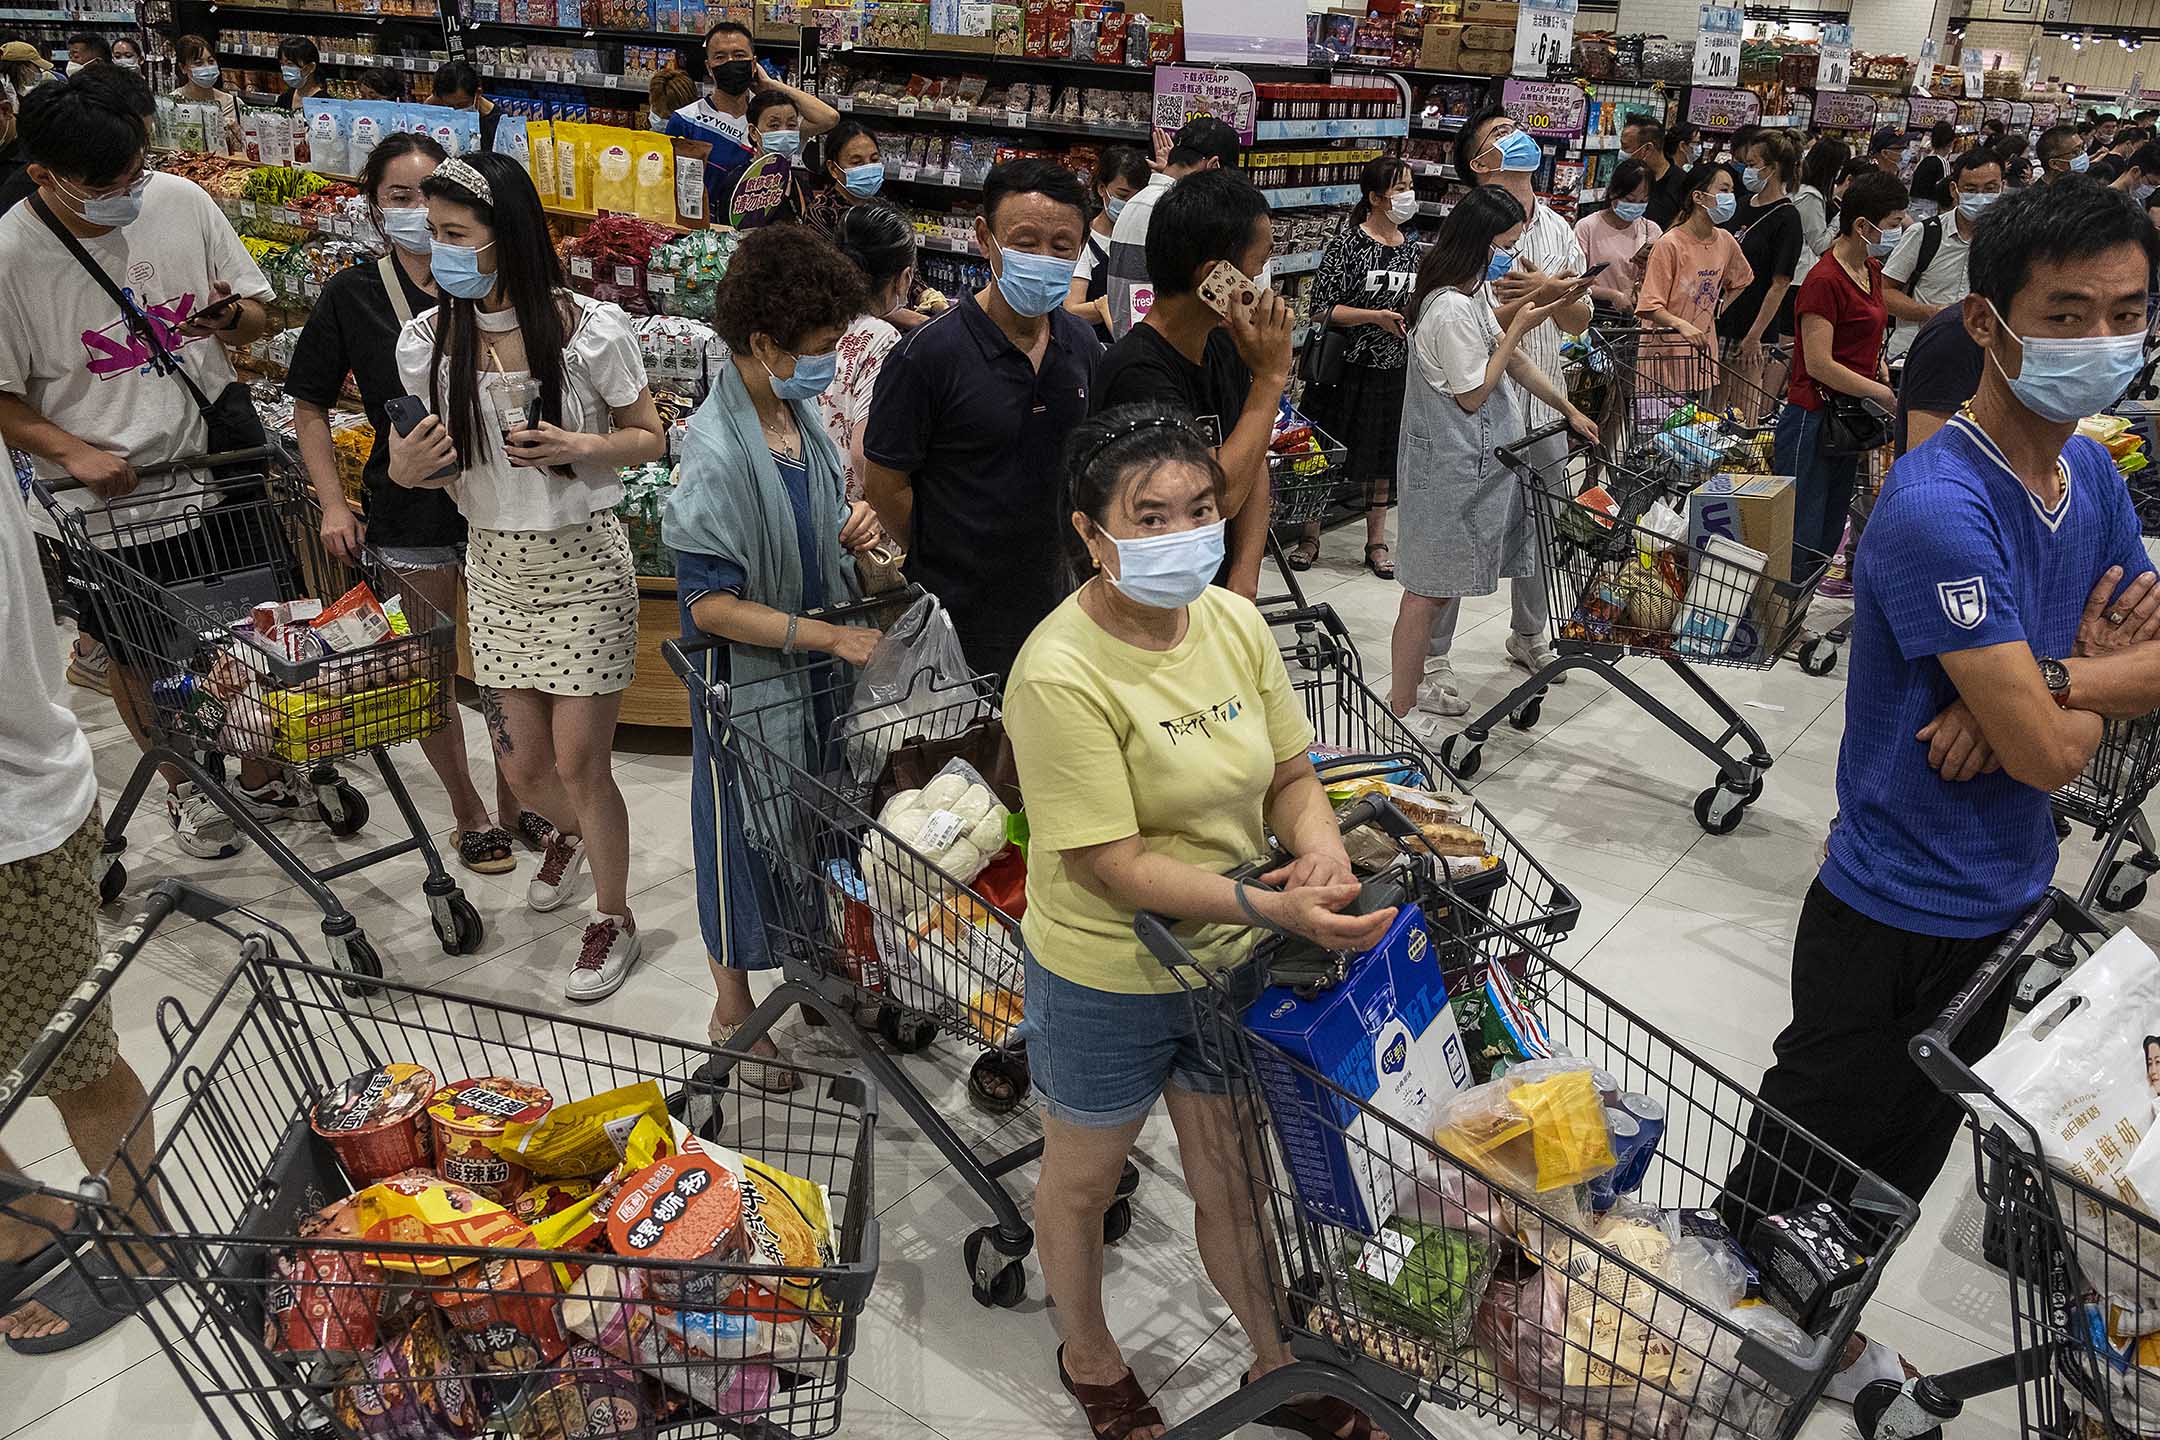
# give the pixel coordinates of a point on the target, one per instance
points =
(1403, 1272)
(1301, 486)
(2110, 798)
(2063, 1245)
(1621, 580)
(226, 541)
(418, 1308)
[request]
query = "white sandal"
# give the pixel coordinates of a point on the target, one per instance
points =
(772, 1079)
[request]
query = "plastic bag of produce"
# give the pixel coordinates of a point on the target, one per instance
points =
(915, 669)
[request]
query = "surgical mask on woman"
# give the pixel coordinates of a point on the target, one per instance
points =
(457, 270)
(1167, 572)
(813, 373)
(783, 142)
(2065, 380)
(1113, 207)
(1501, 262)
(407, 229)
(127, 62)
(1402, 208)
(1722, 208)
(1754, 177)
(206, 76)
(1885, 240)
(290, 74)
(864, 180)
(655, 120)
(1631, 211)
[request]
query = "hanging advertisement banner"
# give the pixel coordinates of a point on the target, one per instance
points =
(1544, 36)
(1718, 109)
(1187, 92)
(1553, 111)
(1834, 72)
(1844, 110)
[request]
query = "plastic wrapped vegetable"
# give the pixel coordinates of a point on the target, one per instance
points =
(1426, 1278)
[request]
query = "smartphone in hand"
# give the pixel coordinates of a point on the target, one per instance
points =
(1226, 286)
(406, 412)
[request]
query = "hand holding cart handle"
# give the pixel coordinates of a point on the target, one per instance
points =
(1932, 1049)
(47, 490)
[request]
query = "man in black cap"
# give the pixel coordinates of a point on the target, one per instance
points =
(1886, 150)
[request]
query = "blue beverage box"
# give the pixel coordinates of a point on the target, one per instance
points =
(1386, 1036)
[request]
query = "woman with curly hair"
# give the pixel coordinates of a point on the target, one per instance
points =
(762, 528)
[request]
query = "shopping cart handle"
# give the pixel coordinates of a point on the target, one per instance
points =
(1933, 1048)
(677, 653)
(47, 489)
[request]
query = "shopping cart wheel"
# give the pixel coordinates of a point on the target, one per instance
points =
(1526, 717)
(343, 810)
(111, 880)
(1461, 756)
(1878, 1396)
(1818, 656)
(2041, 975)
(908, 1034)
(457, 923)
(997, 1279)
(1719, 810)
(1116, 1221)
(355, 953)
(998, 1081)
(2124, 888)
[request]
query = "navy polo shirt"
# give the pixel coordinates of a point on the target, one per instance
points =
(980, 430)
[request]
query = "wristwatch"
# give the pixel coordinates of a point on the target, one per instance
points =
(2056, 676)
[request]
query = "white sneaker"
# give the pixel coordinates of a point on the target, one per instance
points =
(274, 803)
(1437, 693)
(1533, 654)
(604, 959)
(1429, 728)
(559, 866)
(199, 827)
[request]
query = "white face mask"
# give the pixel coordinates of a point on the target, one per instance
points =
(1168, 572)
(1403, 208)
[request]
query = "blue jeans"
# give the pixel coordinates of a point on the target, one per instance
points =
(1822, 486)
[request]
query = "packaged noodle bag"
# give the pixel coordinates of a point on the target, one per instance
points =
(653, 171)
(614, 185)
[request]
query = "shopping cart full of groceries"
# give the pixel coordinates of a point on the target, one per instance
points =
(1484, 1184)
(2067, 1167)
(1655, 559)
(246, 639)
(426, 1214)
(1304, 471)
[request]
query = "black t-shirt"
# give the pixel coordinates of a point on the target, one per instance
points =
(1771, 243)
(489, 119)
(1668, 197)
(1942, 370)
(353, 329)
(1927, 178)
(1146, 366)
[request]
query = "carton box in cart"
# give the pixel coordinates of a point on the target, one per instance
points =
(1385, 1036)
(1755, 511)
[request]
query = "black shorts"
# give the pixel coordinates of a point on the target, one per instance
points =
(123, 598)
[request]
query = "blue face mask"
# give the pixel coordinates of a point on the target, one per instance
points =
(1167, 572)
(1520, 151)
(112, 211)
(1034, 284)
(1722, 207)
(457, 270)
(864, 181)
(407, 229)
(2067, 380)
(1113, 207)
(2080, 163)
(783, 142)
(291, 74)
(1631, 210)
(206, 76)
(812, 374)
(1501, 262)
(1971, 205)
(1753, 178)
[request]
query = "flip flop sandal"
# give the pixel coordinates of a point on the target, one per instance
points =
(1112, 1411)
(17, 1276)
(486, 852)
(91, 1297)
(766, 1076)
(533, 831)
(1385, 569)
(1303, 554)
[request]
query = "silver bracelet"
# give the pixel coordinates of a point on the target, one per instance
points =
(787, 646)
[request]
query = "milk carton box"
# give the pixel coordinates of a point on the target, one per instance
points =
(1385, 1038)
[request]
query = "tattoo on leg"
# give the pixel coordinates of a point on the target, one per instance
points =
(498, 723)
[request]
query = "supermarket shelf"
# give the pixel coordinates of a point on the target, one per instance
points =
(999, 119)
(1304, 195)
(422, 65)
(686, 39)
(946, 178)
(950, 245)
(1296, 264)
(1444, 125)
(227, 13)
(1598, 142)
(61, 17)
(1143, 74)
(347, 60)
(1330, 129)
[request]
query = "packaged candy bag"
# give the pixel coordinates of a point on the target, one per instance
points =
(614, 183)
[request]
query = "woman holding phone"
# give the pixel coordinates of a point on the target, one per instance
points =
(418, 534)
(536, 396)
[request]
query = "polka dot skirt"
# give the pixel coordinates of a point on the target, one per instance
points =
(553, 610)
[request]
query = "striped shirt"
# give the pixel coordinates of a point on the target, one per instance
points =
(1131, 296)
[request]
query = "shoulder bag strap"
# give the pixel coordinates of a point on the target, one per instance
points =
(131, 315)
(387, 267)
(1931, 237)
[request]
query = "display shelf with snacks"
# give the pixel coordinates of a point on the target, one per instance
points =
(1138, 74)
(1291, 197)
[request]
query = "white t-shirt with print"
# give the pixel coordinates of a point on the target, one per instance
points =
(1453, 343)
(65, 351)
(45, 767)
(1549, 243)
(602, 371)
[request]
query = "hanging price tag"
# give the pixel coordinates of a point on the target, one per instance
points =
(1016, 118)
(625, 275)
(660, 284)
(844, 103)
(909, 172)
(949, 176)
(908, 107)
(960, 110)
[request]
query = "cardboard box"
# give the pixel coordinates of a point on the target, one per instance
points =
(1440, 47)
(1386, 1036)
(1487, 62)
(1489, 37)
(1491, 12)
(1755, 511)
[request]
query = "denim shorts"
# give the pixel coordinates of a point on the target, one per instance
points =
(1101, 1059)
(421, 557)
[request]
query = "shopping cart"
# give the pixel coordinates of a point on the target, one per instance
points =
(2110, 798)
(283, 1319)
(1641, 376)
(252, 532)
(1301, 487)
(1621, 582)
(2062, 1244)
(1579, 1330)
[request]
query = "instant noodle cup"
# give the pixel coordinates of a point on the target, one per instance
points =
(510, 1292)
(411, 1389)
(685, 1207)
(592, 1394)
(469, 1118)
(377, 1121)
(323, 1301)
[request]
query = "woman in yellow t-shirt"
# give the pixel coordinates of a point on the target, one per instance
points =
(1158, 744)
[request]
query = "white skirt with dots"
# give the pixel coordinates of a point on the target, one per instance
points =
(553, 610)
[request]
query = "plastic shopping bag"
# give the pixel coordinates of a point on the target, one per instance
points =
(914, 670)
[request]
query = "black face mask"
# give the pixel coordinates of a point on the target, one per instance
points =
(731, 77)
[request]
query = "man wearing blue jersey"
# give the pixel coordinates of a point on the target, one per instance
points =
(1994, 559)
(721, 118)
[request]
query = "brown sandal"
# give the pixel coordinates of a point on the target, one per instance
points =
(1320, 1418)
(1385, 569)
(1112, 1411)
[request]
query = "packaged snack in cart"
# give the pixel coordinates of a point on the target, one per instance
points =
(503, 1311)
(377, 1122)
(411, 1389)
(469, 1116)
(353, 621)
(591, 1394)
(583, 1137)
(419, 1208)
(1541, 1126)
(686, 1207)
(324, 1302)
(608, 1306)
(787, 1220)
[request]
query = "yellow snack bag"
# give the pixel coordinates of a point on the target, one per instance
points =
(614, 181)
(1568, 1133)
(584, 1137)
(573, 167)
(418, 1208)
(540, 158)
(653, 172)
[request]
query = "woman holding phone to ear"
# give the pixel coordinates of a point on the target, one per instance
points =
(537, 396)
